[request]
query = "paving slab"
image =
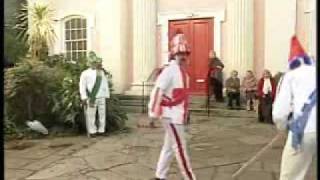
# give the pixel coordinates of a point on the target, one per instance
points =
(60, 168)
(16, 174)
(218, 145)
(254, 175)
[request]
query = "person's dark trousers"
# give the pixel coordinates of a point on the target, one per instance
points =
(233, 96)
(265, 109)
(217, 89)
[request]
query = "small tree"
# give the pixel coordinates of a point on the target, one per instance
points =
(35, 22)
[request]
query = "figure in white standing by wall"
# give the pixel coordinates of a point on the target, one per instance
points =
(94, 91)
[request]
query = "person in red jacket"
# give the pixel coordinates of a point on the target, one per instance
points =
(266, 94)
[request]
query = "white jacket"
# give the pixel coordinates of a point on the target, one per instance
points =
(169, 87)
(87, 80)
(293, 91)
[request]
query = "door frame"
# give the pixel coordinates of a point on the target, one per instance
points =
(163, 20)
(196, 87)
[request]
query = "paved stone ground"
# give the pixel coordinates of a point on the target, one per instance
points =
(218, 147)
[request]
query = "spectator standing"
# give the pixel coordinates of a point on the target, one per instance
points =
(216, 78)
(266, 95)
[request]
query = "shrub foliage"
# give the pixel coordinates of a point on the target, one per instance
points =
(48, 90)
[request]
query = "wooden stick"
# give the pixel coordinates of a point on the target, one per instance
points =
(255, 157)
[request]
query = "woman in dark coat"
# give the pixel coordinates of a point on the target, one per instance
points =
(266, 94)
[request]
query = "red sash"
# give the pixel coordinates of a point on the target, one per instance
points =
(179, 95)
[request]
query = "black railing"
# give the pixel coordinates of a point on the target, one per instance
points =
(209, 92)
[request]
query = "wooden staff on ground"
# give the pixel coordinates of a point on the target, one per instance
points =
(255, 157)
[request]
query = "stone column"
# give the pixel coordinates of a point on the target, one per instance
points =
(240, 40)
(144, 42)
(312, 11)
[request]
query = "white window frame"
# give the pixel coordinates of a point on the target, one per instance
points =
(68, 18)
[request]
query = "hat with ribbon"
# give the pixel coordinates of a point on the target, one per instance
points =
(179, 44)
(93, 58)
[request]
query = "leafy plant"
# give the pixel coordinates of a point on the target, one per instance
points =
(27, 89)
(14, 49)
(35, 22)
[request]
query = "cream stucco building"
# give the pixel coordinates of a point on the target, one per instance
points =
(132, 35)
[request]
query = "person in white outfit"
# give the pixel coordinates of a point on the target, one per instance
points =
(295, 109)
(94, 90)
(169, 101)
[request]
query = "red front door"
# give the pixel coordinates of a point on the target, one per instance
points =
(199, 33)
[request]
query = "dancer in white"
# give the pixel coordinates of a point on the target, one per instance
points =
(169, 101)
(94, 90)
(297, 95)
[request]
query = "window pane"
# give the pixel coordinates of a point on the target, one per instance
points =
(68, 46)
(67, 34)
(85, 45)
(68, 55)
(73, 23)
(84, 34)
(79, 34)
(68, 24)
(73, 35)
(74, 45)
(84, 23)
(80, 45)
(78, 23)
(74, 55)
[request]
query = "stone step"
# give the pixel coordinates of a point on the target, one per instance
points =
(129, 97)
(135, 102)
(132, 109)
(214, 112)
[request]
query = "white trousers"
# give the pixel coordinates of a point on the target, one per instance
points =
(294, 166)
(99, 104)
(174, 143)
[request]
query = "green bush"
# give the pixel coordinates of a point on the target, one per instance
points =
(48, 91)
(27, 91)
(14, 49)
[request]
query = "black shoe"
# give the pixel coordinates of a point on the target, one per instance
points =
(158, 179)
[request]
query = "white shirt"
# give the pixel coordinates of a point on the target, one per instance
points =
(293, 91)
(87, 80)
(169, 79)
(267, 88)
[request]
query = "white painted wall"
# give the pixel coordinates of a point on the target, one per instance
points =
(280, 19)
(111, 17)
(190, 5)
